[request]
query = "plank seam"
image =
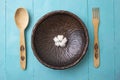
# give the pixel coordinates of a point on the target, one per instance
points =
(5, 41)
(87, 25)
(114, 35)
(33, 22)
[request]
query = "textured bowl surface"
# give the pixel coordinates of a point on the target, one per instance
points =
(59, 23)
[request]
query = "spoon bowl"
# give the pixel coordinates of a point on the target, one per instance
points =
(21, 18)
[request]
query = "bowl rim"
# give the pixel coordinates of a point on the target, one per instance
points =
(53, 13)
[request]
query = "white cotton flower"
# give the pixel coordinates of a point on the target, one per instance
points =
(56, 39)
(62, 44)
(64, 40)
(57, 44)
(60, 40)
(60, 37)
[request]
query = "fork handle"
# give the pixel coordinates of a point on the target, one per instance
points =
(96, 47)
(22, 50)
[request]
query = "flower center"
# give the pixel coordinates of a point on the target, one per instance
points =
(60, 40)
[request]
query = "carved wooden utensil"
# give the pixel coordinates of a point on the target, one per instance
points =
(95, 21)
(22, 19)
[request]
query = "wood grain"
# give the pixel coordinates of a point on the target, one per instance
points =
(96, 46)
(22, 50)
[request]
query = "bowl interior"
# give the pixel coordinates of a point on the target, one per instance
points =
(59, 23)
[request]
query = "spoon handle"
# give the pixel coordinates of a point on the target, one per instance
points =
(22, 50)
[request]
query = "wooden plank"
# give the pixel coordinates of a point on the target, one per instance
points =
(2, 39)
(13, 69)
(106, 40)
(117, 38)
(78, 72)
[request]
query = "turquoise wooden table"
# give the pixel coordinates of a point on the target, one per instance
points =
(109, 40)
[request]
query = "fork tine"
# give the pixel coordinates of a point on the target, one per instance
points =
(98, 13)
(95, 13)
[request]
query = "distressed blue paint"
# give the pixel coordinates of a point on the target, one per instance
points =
(117, 39)
(13, 69)
(80, 9)
(2, 39)
(108, 39)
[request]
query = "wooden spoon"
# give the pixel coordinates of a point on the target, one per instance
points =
(22, 19)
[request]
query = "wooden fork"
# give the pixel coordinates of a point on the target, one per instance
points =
(95, 21)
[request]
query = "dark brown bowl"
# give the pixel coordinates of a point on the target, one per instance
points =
(59, 23)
